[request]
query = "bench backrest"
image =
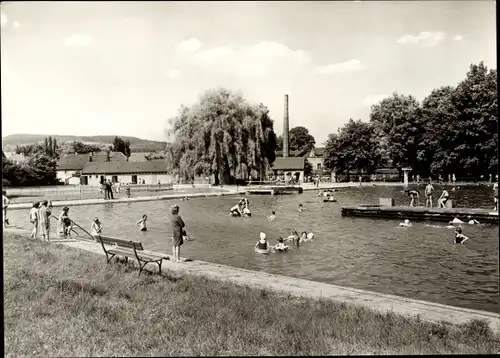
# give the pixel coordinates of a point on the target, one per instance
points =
(129, 244)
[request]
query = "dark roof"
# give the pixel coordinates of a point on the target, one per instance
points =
(77, 161)
(152, 166)
(319, 152)
(138, 157)
(290, 163)
(291, 153)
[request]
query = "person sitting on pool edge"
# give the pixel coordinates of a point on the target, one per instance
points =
(142, 223)
(459, 237)
(272, 217)
(96, 228)
(262, 244)
(443, 199)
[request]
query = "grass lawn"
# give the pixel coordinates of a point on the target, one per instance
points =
(60, 301)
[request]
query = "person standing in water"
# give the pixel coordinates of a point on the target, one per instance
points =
(44, 220)
(5, 204)
(272, 217)
(262, 244)
(459, 237)
(178, 232)
(428, 194)
(34, 219)
(301, 207)
(142, 223)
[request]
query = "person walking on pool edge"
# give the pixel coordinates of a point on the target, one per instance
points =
(178, 231)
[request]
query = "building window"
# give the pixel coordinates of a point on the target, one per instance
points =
(319, 166)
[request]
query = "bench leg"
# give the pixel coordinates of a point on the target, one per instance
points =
(159, 266)
(141, 266)
(108, 258)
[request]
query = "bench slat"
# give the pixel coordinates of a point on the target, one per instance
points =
(106, 240)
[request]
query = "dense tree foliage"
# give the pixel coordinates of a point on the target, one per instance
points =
(354, 147)
(38, 169)
(119, 145)
(82, 148)
(224, 136)
(453, 130)
(300, 141)
(49, 148)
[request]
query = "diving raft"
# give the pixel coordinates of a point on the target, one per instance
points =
(421, 213)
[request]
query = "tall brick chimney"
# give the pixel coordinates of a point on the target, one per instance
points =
(285, 129)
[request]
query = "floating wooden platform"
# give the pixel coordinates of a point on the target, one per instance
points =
(421, 213)
(273, 190)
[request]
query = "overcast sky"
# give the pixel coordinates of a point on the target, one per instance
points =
(125, 68)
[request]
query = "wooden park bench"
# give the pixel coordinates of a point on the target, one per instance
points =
(128, 248)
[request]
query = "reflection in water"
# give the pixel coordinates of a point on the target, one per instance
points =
(418, 262)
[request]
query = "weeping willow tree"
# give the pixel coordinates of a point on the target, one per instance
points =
(221, 135)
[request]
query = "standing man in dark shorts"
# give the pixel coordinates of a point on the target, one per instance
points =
(428, 194)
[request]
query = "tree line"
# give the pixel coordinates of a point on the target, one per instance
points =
(40, 167)
(453, 130)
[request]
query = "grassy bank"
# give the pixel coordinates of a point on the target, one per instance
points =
(64, 302)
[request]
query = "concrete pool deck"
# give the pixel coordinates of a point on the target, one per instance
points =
(383, 303)
(75, 202)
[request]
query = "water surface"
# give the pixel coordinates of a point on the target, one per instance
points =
(420, 262)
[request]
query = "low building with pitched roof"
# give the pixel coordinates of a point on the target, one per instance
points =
(290, 168)
(149, 172)
(70, 166)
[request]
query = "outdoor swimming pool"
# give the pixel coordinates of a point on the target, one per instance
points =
(419, 262)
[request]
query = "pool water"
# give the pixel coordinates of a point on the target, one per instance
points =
(420, 262)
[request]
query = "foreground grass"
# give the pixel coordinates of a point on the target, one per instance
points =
(63, 302)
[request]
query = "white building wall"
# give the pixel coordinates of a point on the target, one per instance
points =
(62, 175)
(95, 180)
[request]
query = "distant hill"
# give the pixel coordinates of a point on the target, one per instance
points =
(10, 142)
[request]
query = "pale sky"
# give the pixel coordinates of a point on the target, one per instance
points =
(94, 68)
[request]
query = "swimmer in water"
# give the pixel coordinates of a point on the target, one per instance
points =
(459, 237)
(406, 223)
(280, 246)
(294, 237)
(331, 198)
(272, 217)
(472, 221)
(301, 207)
(262, 244)
(236, 210)
(142, 223)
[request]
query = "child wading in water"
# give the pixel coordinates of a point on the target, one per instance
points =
(142, 223)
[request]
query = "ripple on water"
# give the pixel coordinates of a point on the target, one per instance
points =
(418, 262)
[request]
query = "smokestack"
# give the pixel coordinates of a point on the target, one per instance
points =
(285, 129)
